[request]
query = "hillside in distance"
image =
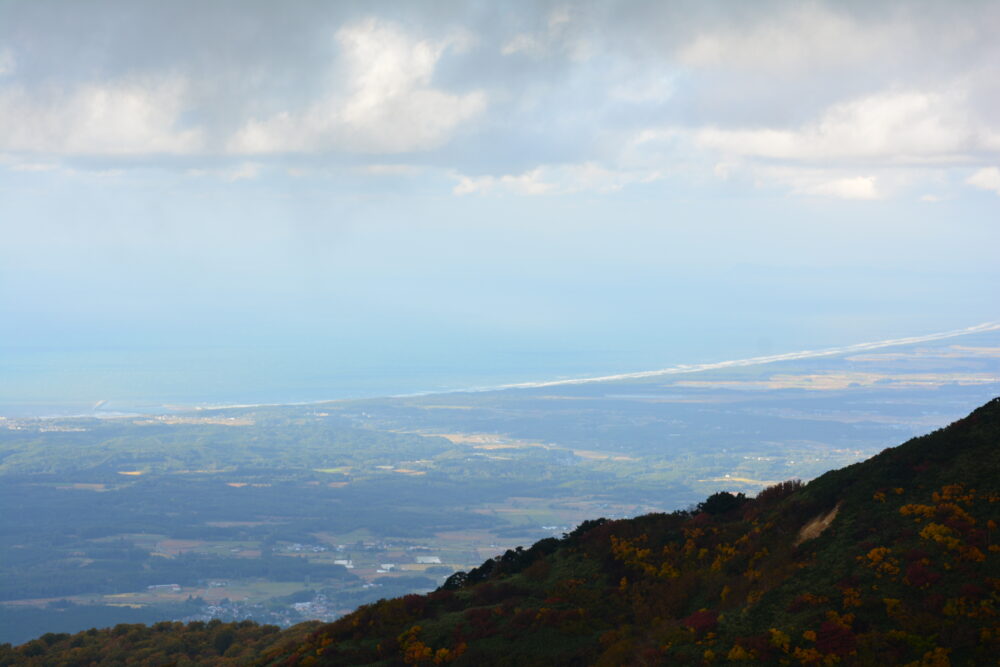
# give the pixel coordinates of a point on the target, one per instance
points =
(890, 561)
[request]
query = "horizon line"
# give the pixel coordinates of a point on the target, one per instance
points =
(756, 361)
(671, 370)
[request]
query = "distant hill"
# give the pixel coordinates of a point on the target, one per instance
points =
(893, 561)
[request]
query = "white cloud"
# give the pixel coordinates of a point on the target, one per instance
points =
(819, 182)
(529, 183)
(857, 187)
(124, 117)
(387, 103)
(865, 148)
(555, 179)
(987, 178)
(895, 127)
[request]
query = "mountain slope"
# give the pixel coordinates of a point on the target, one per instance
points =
(889, 561)
(905, 570)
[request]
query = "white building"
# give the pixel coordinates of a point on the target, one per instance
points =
(428, 560)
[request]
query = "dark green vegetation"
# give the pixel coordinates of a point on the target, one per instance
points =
(247, 510)
(892, 561)
(163, 643)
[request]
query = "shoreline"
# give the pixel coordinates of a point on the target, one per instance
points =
(637, 375)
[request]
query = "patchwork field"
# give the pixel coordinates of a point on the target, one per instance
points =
(284, 513)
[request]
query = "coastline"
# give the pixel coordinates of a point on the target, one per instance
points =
(180, 408)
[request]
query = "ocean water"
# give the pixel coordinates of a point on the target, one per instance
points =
(46, 381)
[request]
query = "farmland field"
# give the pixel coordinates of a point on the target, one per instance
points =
(286, 513)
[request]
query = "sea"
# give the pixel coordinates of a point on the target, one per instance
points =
(59, 382)
(49, 381)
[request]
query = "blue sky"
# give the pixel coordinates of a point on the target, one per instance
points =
(669, 181)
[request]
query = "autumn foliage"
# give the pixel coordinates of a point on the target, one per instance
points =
(906, 573)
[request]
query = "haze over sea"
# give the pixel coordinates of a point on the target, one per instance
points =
(49, 381)
(67, 381)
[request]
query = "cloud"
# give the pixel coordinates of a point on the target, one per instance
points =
(868, 147)
(820, 182)
(528, 183)
(558, 32)
(801, 37)
(857, 187)
(246, 171)
(555, 179)
(390, 169)
(385, 103)
(125, 117)
(34, 166)
(7, 62)
(643, 88)
(987, 178)
(523, 43)
(503, 98)
(894, 127)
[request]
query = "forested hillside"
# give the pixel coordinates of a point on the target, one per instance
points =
(889, 561)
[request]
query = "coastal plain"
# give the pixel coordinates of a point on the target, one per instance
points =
(287, 513)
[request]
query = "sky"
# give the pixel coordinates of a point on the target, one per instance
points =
(630, 183)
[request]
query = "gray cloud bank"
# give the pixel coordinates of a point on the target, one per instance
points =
(854, 100)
